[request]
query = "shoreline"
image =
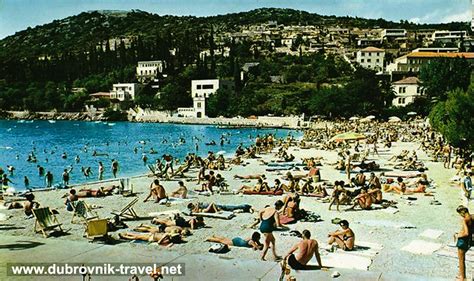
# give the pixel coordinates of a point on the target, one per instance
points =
(293, 123)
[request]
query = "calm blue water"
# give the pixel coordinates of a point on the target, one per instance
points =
(49, 141)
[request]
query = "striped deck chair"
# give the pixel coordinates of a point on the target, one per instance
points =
(83, 211)
(127, 212)
(45, 221)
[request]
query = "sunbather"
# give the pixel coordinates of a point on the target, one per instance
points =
(184, 231)
(261, 186)
(249, 177)
(344, 238)
(177, 220)
(253, 242)
(400, 187)
(160, 238)
(181, 192)
(306, 249)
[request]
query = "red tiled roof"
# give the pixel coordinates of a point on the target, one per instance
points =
(371, 49)
(408, 80)
(440, 55)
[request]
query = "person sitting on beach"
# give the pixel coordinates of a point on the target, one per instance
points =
(344, 238)
(181, 192)
(374, 181)
(72, 197)
(420, 185)
(253, 242)
(306, 249)
(279, 186)
(269, 220)
(157, 191)
(339, 195)
(160, 238)
(364, 200)
(177, 220)
(291, 205)
(400, 188)
(359, 179)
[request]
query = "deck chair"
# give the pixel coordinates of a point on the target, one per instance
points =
(126, 188)
(96, 228)
(127, 212)
(45, 221)
(83, 211)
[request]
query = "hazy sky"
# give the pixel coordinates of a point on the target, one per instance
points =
(16, 15)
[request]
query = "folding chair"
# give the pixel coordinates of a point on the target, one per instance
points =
(45, 221)
(96, 228)
(128, 212)
(82, 210)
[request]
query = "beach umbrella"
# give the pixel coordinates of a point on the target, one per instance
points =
(394, 119)
(353, 118)
(347, 136)
(411, 113)
(370, 117)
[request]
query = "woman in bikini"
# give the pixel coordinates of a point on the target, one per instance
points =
(344, 238)
(253, 242)
(270, 219)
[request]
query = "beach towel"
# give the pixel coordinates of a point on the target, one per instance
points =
(345, 260)
(220, 215)
(431, 233)
(249, 192)
(402, 174)
(174, 201)
(387, 223)
(164, 213)
(287, 220)
(420, 247)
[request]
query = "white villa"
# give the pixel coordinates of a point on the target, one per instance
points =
(446, 36)
(200, 91)
(147, 70)
(124, 91)
(371, 58)
(406, 90)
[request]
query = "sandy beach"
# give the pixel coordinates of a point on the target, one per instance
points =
(381, 228)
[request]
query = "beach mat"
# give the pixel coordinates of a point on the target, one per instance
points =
(420, 247)
(402, 174)
(220, 215)
(431, 233)
(348, 261)
(248, 192)
(387, 223)
(164, 213)
(175, 201)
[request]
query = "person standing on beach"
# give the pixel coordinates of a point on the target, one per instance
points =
(49, 179)
(26, 181)
(269, 219)
(101, 170)
(464, 239)
(66, 176)
(115, 167)
(348, 165)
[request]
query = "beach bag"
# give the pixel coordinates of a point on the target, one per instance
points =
(219, 248)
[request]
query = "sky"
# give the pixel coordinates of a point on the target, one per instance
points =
(17, 15)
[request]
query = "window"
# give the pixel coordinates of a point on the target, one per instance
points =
(402, 90)
(208, 87)
(362, 54)
(198, 105)
(199, 87)
(377, 60)
(362, 60)
(401, 100)
(418, 90)
(370, 54)
(369, 60)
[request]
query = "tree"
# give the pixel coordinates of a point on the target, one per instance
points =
(439, 76)
(453, 118)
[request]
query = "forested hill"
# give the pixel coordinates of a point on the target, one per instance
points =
(80, 32)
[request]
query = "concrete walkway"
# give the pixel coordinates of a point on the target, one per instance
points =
(197, 267)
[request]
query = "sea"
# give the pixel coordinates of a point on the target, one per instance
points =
(59, 145)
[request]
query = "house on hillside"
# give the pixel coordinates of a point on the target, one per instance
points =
(124, 91)
(200, 91)
(406, 91)
(148, 70)
(371, 58)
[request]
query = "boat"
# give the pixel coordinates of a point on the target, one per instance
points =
(52, 121)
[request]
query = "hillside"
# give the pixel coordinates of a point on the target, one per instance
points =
(87, 29)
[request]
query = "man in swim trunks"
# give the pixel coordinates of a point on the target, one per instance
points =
(306, 248)
(157, 191)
